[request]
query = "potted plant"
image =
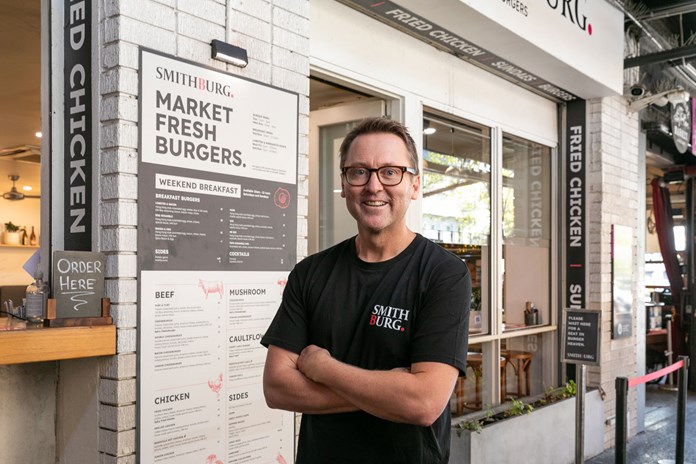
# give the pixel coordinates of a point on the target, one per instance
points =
(11, 235)
(541, 427)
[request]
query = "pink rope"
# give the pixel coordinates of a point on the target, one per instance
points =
(655, 375)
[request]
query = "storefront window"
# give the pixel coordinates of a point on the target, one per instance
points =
(457, 199)
(511, 342)
(526, 216)
(20, 147)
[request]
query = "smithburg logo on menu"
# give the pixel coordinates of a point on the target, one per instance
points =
(571, 10)
(181, 136)
(189, 80)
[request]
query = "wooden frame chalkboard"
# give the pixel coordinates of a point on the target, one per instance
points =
(582, 336)
(52, 321)
(78, 290)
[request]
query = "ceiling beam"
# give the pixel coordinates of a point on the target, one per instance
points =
(672, 54)
(667, 12)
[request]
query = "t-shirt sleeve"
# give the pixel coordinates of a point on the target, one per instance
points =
(289, 329)
(442, 325)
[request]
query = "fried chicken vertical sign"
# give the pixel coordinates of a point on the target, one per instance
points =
(217, 232)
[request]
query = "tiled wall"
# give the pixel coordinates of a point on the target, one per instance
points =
(614, 192)
(276, 36)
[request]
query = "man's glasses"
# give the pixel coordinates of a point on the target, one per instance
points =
(388, 175)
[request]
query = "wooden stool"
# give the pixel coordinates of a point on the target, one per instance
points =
(459, 395)
(521, 362)
(474, 360)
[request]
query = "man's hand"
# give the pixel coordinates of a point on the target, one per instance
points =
(285, 387)
(311, 361)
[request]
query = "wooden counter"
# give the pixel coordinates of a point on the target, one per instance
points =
(25, 345)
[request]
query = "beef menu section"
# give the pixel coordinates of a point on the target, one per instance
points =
(217, 221)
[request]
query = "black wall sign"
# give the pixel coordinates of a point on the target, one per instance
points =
(681, 125)
(403, 19)
(581, 336)
(77, 125)
(575, 227)
(78, 283)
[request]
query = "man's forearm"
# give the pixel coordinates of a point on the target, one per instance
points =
(415, 397)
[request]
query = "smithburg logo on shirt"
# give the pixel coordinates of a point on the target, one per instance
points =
(389, 317)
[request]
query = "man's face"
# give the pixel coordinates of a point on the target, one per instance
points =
(375, 207)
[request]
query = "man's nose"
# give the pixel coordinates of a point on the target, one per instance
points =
(373, 182)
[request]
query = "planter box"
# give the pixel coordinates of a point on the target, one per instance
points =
(545, 435)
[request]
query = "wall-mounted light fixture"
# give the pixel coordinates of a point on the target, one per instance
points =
(229, 53)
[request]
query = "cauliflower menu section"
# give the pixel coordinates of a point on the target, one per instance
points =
(217, 221)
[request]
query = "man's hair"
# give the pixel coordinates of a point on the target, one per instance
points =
(376, 126)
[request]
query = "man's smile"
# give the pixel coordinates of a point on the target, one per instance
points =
(375, 203)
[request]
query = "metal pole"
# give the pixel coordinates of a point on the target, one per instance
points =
(580, 377)
(683, 378)
(669, 353)
(621, 419)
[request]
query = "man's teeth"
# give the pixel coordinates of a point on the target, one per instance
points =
(376, 203)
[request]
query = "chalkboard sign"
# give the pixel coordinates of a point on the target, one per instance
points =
(78, 283)
(581, 336)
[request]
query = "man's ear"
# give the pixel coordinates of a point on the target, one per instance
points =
(343, 188)
(416, 187)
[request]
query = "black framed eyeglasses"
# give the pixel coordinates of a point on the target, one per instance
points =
(357, 176)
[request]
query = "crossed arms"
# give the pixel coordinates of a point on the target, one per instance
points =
(315, 383)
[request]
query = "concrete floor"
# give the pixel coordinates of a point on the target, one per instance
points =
(657, 444)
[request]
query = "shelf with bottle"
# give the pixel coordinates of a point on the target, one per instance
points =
(19, 237)
(35, 335)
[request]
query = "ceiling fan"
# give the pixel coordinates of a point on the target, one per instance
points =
(14, 194)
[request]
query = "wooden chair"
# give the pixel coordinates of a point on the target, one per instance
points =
(521, 362)
(474, 360)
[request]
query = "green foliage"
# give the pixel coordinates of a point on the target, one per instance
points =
(554, 394)
(473, 425)
(11, 227)
(569, 390)
(518, 408)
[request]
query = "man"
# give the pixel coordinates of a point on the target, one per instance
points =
(372, 333)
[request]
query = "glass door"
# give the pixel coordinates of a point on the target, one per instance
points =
(329, 220)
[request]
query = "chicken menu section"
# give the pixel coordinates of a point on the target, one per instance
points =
(217, 231)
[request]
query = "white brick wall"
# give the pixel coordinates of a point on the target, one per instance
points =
(613, 184)
(276, 36)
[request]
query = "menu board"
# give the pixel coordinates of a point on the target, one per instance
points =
(217, 222)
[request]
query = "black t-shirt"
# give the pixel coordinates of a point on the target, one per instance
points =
(411, 308)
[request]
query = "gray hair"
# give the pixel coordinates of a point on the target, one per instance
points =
(376, 126)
